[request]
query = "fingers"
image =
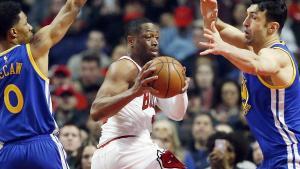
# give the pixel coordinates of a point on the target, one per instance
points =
(213, 26)
(152, 90)
(148, 72)
(207, 45)
(209, 37)
(145, 82)
(187, 82)
(208, 31)
(147, 65)
(206, 52)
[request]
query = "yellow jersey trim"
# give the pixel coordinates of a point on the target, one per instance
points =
(35, 66)
(8, 50)
(292, 80)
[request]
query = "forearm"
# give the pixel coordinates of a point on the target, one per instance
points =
(243, 59)
(231, 34)
(174, 107)
(63, 21)
(105, 107)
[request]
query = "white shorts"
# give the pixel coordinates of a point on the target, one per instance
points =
(128, 153)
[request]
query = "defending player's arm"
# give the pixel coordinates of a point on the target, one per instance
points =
(175, 107)
(116, 90)
(230, 34)
(267, 62)
(49, 35)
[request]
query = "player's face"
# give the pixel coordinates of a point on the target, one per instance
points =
(23, 29)
(147, 44)
(255, 25)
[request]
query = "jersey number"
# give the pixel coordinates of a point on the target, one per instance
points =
(20, 99)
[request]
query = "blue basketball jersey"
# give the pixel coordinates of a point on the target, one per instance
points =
(273, 114)
(25, 100)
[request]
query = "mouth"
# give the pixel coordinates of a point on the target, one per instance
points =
(154, 51)
(247, 33)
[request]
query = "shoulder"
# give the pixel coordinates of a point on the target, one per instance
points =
(277, 54)
(123, 69)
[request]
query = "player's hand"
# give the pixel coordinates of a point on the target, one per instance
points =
(78, 3)
(215, 44)
(186, 82)
(144, 80)
(209, 10)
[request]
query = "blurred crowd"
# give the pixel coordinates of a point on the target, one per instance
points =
(79, 62)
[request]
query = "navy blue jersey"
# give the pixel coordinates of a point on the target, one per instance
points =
(273, 114)
(25, 100)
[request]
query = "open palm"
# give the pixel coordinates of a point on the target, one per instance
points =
(214, 44)
(209, 9)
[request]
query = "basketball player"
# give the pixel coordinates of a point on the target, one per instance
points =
(270, 87)
(126, 102)
(27, 126)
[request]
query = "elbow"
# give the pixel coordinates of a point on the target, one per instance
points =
(95, 113)
(178, 116)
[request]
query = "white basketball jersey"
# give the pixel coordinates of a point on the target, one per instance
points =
(134, 119)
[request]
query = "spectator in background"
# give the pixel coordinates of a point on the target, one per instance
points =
(239, 14)
(55, 6)
(226, 150)
(177, 41)
(197, 156)
(94, 130)
(166, 133)
(223, 127)
(119, 51)
(294, 14)
(107, 16)
(85, 155)
(60, 75)
(227, 108)
(95, 46)
(66, 103)
(204, 82)
(90, 72)
(257, 154)
(71, 140)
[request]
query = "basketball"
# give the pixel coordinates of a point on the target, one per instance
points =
(171, 76)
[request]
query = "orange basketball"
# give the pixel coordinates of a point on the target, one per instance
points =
(171, 76)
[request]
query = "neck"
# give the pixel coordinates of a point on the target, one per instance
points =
(137, 59)
(4, 45)
(200, 145)
(266, 44)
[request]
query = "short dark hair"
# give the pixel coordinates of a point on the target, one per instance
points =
(134, 27)
(276, 10)
(91, 58)
(9, 15)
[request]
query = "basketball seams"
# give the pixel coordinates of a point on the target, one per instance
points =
(166, 68)
(168, 87)
(181, 80)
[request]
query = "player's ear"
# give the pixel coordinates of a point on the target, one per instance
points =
(273, 27)
(12, 33)
(130, 41)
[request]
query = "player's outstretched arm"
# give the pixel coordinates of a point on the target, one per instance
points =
(122, 84)
(265, 63)
(49, 35)
(230, 34)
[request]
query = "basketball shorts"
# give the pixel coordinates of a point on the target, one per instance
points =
(38, 152)
(133, 153)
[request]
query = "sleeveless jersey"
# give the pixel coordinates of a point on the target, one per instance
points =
(273, 114)
(133, 119)
(25, 100)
